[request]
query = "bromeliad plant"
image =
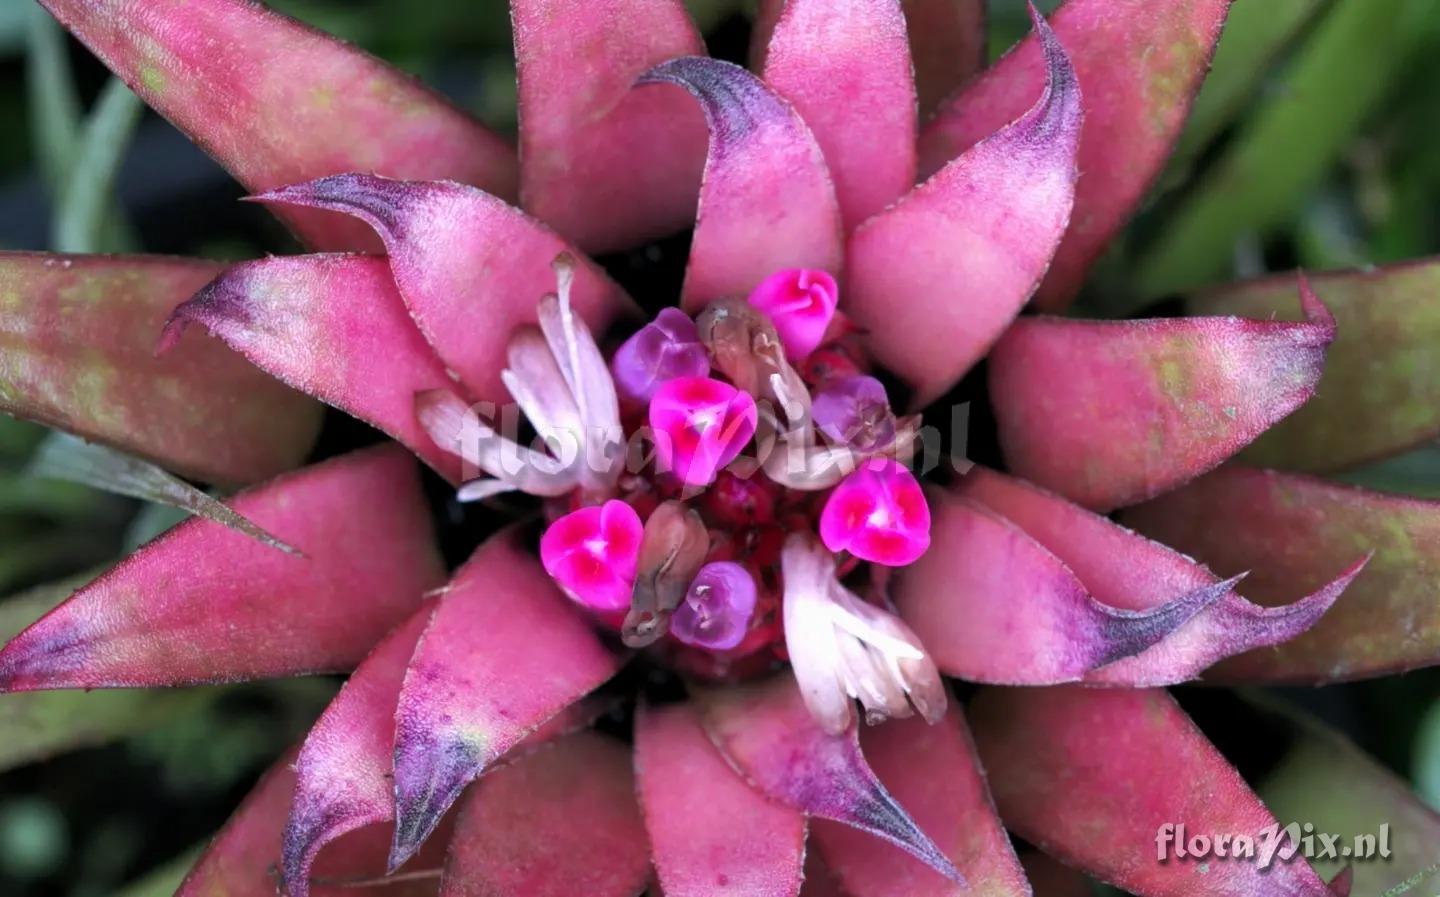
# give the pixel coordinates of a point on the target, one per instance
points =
(727, 488)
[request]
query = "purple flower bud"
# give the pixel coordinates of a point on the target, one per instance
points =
(666, 348)
(855, 412)
(716, 611)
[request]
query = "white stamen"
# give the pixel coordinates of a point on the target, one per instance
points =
(843, 648)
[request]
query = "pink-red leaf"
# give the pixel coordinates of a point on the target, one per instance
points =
(1380, 393)
(77, 340)
(560, 822)
(985, 582)
(947, 44)
(332, 326)
(504, 652)
(1295, 532)
(1123, 569)
(343, 771)
(938, 277)
(605, 166)
(207, 604)
(243, 860)
(276, 102)
(770, 738)
(845, 67)
(470, 268)
(1140, 63)
(767, 202)
(712, 835)
(1110, 413)
(1092, 776)
(933, 772)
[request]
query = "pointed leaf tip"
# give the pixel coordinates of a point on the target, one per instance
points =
(332, 326)
(938, 277)
(932, 771)
(607, 167)
(1055, 629)
(1375, 397)
(76, 338)
(504, 652)
(469, 267)
(1141, 63)
(342, 775)
(277, 102)
(763, 165)
(768, 735)
(1197, 391)
(64, 457)
(159, 618)
(1125, 570)
(1294, 530)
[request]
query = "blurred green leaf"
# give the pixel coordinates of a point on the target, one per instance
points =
(1334, 84)
(34, 839)
(1256, 32)
(1427, 757)
(1417, 473)
(54, 103)
(68, 458)
(41, 724)
(14, 20)
(84, 216)
(1328, 782)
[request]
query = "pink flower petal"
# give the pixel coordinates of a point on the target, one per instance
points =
(700, 425)
(936, 278)
(1110, 413)
(1125, 570)
(503, 653)
(332, 326)
(764, 166)
(560, 822)
(801, 304)
(78, 336)
(769, 736)
(987, 583)
(162, 617)
(1296, 532)
(276, 102)
(1379, 394)
(933, 772)
(1140, 63)
(712, 835)
(343, 771)
(607, 167)
(470, 268)
(845, 66)
(1091, 776)
(593, 552)
(878, 513)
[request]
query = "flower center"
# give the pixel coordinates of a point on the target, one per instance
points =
(758, 463)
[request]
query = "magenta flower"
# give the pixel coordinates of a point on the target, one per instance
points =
(775, 548)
